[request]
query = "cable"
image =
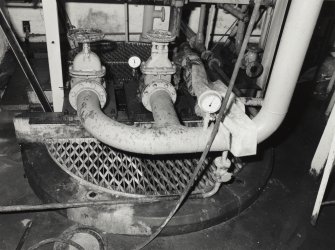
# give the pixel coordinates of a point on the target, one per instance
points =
(53, 206)
(325, 203)
(219, 119)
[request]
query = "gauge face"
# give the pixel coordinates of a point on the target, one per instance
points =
(134, 62)
(210, 103)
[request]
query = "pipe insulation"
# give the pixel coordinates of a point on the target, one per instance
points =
(173, 139)
(297, 33)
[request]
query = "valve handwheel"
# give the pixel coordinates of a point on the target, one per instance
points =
(85, 35)
(160, 36)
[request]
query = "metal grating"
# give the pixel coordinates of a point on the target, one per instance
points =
(126, 174)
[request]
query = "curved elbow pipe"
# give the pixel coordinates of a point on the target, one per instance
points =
(158, 140)
(297, 33)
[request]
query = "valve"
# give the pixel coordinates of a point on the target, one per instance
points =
(86, 63)
(222, 164)
(158, 69)
(252, 67)
(86, 70)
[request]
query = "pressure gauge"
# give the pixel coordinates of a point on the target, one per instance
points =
(134, 62)
(210, 101)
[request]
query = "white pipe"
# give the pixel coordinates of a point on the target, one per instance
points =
(162, 109)
(148, 20)
(173, 139)
(272, 39)
(54, 53)
(300, 23)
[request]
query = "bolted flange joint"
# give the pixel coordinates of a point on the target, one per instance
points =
(151, 88)
(90, 85)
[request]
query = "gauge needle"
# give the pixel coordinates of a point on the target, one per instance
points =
(212, 101)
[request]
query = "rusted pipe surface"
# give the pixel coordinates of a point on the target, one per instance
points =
(173, 139)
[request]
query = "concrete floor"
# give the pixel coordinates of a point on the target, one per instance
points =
(279, 219)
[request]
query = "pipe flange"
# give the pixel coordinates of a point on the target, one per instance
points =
(91, 85)
(87, 74)
(156, 86)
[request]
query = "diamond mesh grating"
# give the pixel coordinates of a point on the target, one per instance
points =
(115, 171)
(116, 59)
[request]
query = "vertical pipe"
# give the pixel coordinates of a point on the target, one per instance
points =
(241, 25)
(297, 33)
(126, 20)
(54, 55)
(175, 20)
(210, 25)
(239, 36)
(265, 27)
(148, 20)
(271, 44)
(200, 34)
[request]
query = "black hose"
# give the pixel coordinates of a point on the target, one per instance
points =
(219, 119)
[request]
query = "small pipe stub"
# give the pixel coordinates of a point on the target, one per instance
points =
(159, 14)
(90, 85)
(155, 86)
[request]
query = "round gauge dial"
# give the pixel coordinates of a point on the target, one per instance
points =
(210, 102)
(134, 62)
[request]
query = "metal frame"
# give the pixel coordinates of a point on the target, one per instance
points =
(54, 55)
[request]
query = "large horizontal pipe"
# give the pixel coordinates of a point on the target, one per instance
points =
(297, 33)
(172, 139)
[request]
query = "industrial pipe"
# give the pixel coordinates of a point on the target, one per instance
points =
(188, 32)
(173, 139)
(297, 33)
(149, 14)
(200, 34)
(163, 110)
(271, 43)
(175, 17)
(197, 82)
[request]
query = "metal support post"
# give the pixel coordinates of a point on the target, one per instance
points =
(54, 54)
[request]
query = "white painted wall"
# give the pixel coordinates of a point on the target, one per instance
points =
(109, 18)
